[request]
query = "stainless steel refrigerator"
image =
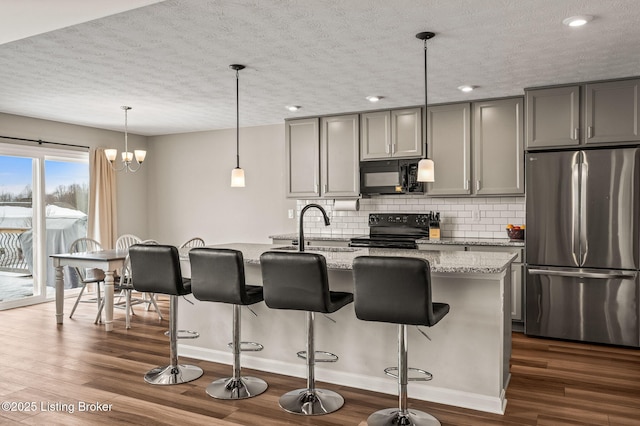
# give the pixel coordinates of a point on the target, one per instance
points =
(582, 245)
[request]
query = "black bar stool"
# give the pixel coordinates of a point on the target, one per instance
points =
(217, 275)
(156, 269)
(299, 281)
(397, 290)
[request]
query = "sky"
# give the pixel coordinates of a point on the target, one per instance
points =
(15, 173)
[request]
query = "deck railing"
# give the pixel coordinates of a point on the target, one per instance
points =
(11, 256)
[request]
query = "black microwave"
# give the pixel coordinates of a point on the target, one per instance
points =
(390, 177)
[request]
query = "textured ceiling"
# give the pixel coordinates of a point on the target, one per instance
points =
(169, 60)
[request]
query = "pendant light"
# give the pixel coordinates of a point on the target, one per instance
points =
(128, 165)
(426, 168)
(237, 174)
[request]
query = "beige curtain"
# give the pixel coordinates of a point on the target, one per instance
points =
(103, 221)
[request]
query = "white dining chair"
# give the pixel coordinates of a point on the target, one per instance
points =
(87, 275)
(193, 242)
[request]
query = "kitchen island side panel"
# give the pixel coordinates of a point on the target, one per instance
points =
(468, 353)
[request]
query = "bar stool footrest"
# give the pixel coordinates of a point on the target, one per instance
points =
(185, 334)
(330, 357)
(393, 372)
(250, 346)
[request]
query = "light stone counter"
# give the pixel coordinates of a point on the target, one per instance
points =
(318, 236)
(467, 352)
(441, 261)
(494, 242)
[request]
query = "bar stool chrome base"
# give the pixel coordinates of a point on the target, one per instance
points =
(392, 417)
(242, 388)
(173, 374)
(311, 403)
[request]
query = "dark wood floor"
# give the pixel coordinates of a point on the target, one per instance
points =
(552, 383)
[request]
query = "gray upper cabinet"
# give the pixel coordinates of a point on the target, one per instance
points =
(487, 159)
(593, 113)
(303, 158)
(553, 117)
(339, 156)
(449, 146)
(391, 134)
(612, 111)
(498, 147)
(375, 129)
(322, 156)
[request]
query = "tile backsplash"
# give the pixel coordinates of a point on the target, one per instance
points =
(481, 217)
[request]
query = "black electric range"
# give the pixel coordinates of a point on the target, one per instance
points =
(394, 230)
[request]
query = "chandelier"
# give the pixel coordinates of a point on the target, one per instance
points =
(128, 162)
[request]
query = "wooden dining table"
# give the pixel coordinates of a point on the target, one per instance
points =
(107, 260)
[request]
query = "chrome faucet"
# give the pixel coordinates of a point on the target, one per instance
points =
(304, 209)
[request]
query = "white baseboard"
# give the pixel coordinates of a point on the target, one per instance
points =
(381, 384)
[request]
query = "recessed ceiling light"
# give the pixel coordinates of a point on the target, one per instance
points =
(293, 108)
(577, 21)
(466, 88)
(374, 98)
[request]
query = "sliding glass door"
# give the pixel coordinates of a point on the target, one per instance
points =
(43, 209)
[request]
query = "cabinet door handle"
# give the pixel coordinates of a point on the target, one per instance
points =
(575, 134)
(589, 132)
(386, 148)
(325, 188)
(466, 184)
(477, 185)
(393, 148)
(315, 188)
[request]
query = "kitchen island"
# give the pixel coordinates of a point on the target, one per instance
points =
(467, 352)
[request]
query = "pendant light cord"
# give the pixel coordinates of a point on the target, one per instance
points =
(237, 119)
(426, 114)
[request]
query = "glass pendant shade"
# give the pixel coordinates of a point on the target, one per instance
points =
(111, 154)
(426, 170)
(140, 155)
(237, 178)
(127, 157)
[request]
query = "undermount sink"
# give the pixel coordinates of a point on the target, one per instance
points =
(318, 248)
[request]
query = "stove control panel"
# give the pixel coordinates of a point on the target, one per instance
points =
(399, 220)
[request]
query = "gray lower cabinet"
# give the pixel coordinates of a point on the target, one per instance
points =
(391, 134)
(517, 271)
(322, 157)
(517, 274)
(484, 159)
(592, 113)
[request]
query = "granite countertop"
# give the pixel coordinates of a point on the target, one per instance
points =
(342, 258)
(317, 236)
(501, 242)
(498, 242)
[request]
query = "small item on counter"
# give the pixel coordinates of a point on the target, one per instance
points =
(515, 232)
(434, 226)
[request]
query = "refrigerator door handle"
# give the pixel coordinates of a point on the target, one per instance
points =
(584, 274)
(575, 210)
(584, 243)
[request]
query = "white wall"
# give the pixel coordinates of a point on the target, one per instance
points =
(190, 193)
(130, 186)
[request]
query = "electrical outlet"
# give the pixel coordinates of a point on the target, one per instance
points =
(475, 215)
(290, 213)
